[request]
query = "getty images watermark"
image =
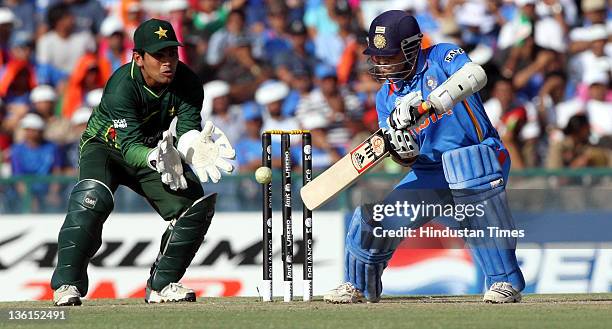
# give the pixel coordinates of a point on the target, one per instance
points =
(459, 212)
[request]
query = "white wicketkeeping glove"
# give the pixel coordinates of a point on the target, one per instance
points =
(404, 147)
(166, 160)
(207, 156)
(405, 113)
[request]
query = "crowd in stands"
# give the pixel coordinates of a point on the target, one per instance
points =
(298, 64)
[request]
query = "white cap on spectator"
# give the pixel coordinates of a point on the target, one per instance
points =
(481, 54)
(513, 32)
(212, 90)
(134, 7)
(94, 97)
(564, 111)
(591, 33)
(174, 5)
(32, 121)
(594, 76)
(6, 16)
(597, 32)
(549, 35)
(216, 88)
(43, 93)
(593, 5)
(474, 14)
(271, 91)
(110, 25)
(521, 3)
(315, 121)
(81, 116)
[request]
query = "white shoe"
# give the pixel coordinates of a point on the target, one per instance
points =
(345, 293)
(66, 296)
(502, 292)
(174, 292)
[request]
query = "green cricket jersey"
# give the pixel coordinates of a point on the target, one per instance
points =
(131, 117)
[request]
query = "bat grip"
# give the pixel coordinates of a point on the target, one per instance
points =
(424, 108)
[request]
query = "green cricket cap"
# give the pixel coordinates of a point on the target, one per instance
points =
(154, 35)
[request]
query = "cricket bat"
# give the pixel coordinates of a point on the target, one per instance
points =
(463, 83)
(343, 173)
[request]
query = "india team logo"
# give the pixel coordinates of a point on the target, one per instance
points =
(380, 41)
(432, 82)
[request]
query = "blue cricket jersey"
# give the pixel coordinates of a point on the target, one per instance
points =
(464, 125)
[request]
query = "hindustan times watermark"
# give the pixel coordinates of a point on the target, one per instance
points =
(426, 210)
(431, 232)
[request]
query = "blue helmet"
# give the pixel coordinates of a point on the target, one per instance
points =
(392, 32)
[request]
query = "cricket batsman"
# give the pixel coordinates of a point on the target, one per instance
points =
(128, 142)
(456, 157)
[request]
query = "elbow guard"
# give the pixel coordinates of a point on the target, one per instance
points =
(463, 83)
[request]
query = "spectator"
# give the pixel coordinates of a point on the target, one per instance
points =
(275, 40)
(78, 123)
(352, 59)
(301, 85)
(5, 143)
(210, 15)
(175, 11)
(57, 129)
(113, 45)
(599, 111)
(35, 156)
(330, 46)
(93, 98)
(330, 102)
(318, 18)
(222, 41)
(509, 118)
(593, 57)
(248, 147)
(300, 56)
(594, 11)
(18, 79)
(244, 71)
(24, 13)
(595, 107)
(7, 20)
(51, 48)
(225, 116)
(550, 96)
(21, 47)
(88, 14)
(575, 150)
(131, 15)
(270, 95)
(90, 73)
(548, 50)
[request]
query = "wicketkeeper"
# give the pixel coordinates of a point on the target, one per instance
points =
(128, 142)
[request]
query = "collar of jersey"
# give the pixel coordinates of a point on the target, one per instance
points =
(137, 75)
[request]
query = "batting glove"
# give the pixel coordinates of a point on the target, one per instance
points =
(404, 147)
(207, 156)
(166, 160)
(405, 113)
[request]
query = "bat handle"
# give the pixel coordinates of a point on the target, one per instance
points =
(424, 108)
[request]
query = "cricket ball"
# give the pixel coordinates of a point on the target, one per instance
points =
(263, 175)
